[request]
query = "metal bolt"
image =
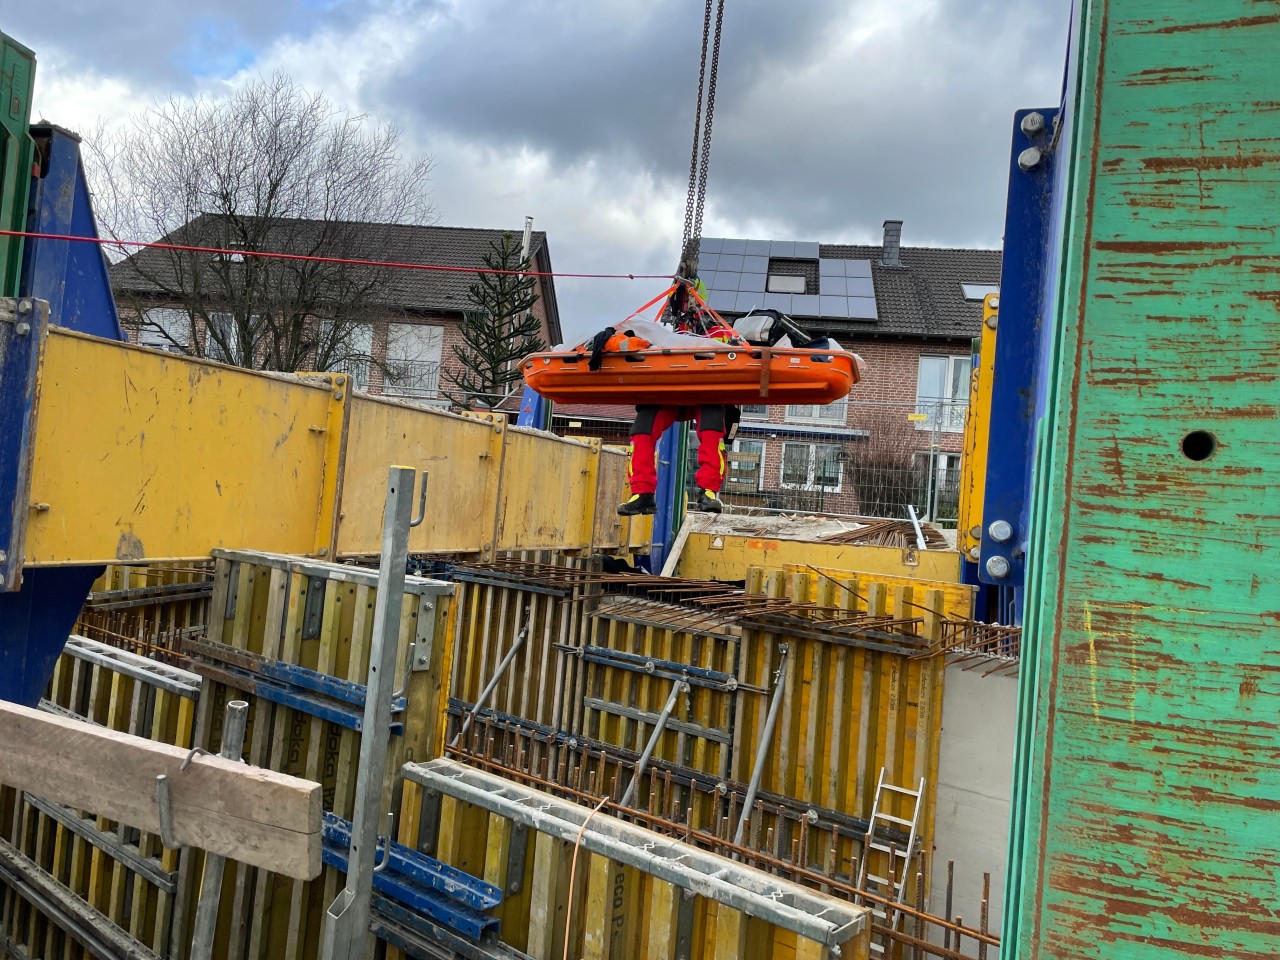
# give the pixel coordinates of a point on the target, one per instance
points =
(322, 552)
(995, 303)
(992, 321)
(1033, 124)
(24, 306)
(997, 567)
(3, 556)
(812, 816)
(976, 532)
(22, 329)
(1029, 159)
(1000, 530)
(975, 554)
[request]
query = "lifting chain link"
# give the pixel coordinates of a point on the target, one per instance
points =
(700, 155)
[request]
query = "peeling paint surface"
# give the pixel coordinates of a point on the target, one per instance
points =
(1150, 812)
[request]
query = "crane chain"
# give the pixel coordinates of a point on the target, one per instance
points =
(691, 198)
(704, 169)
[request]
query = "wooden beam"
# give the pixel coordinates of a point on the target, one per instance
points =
(245, 813)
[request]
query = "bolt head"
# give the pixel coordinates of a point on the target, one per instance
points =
(22, 329)
(1033, 124)
(3, 556)
(24, 306)
(995, 303)
(1000, 530)
(1029, 159)
(997, 568)
(975, 554)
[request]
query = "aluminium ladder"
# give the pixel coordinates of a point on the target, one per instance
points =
(896, 855)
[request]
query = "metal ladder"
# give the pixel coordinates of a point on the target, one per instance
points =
(899, 857)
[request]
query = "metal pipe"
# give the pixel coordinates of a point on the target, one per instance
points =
(915, 522)
(678, 688)
(346, 927)
(233, 727)
(762, 750)
(492, 684)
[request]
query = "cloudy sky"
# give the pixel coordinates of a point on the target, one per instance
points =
(831, 115)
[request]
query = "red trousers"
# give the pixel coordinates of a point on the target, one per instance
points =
(652, 422)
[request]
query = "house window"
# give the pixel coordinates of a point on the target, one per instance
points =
(830, 413)
(351, 348)
(937, 496)
(164, 328)
(942, 393)
(812, 466)
(745, 472)
(978, 291)
(223, 325)
(781, 284)
(413, 359)
(755, 411)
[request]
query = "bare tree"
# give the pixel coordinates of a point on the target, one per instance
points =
(272, 168)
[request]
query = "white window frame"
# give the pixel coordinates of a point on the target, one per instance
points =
(953, 408)
(763, 452)
(356, 364)
(836, 414)
(811, 481)
(433, 353)
(212, 349)
(941, 464)
(784, 283)
(751, 414)
(173, 321)
(975, 292)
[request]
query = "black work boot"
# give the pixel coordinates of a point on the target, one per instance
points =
(707, 502)
(640, 505)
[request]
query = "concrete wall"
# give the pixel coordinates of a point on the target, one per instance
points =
(975, 778)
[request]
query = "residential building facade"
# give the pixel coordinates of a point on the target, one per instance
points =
(399, 332)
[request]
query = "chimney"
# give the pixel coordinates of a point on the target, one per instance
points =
(892, 244)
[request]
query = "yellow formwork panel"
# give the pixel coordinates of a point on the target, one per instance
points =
(548, 492)
(462, 456)
(140, 454)
(709, 556)
(973, 465)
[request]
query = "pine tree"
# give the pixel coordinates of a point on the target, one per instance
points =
(498, 331)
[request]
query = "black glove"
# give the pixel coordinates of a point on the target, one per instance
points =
(597, 347)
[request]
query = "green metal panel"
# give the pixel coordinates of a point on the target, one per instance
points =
(17, 79)
(1149, 792)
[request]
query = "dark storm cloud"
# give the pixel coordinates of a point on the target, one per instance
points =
(812, 133)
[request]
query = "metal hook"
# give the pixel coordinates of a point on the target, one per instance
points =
(422, 503)
(386, 850)
(195, 751)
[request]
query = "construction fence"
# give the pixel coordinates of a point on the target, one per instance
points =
(852, 458)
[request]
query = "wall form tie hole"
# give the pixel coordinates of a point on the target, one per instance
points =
(1199, 445)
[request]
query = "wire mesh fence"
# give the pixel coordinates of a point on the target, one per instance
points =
(865, 459)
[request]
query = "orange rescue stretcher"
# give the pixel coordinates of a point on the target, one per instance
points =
(689, 376)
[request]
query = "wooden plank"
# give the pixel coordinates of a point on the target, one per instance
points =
(546, 912)
(244, 813)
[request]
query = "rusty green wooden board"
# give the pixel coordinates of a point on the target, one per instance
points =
(1149, 818)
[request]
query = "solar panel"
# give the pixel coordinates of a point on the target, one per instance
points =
(832, 286)
(707, 261)
(755, 264)
(721, 299)
(731, 261)
(806, 250)
(710, 278)
(710, 245)
(862, 308)
(758, 248)
(857, 268)
(777, 301)
(830, 268)
(860, 287)
(754, 282)
(747, 302)
(782, 248)
(834, 306)
(806, 305)
(734, 246)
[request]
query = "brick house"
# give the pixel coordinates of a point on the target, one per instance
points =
(402, 324)
(910, 312)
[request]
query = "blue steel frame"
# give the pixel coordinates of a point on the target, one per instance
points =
(1026, 288)
(535, 410)
(38, 607)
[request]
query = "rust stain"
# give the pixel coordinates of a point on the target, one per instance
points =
(1239, 161)
(1249, 687)
(1160, 248)
(1239, 23)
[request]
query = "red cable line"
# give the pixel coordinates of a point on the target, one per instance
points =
(442, 268)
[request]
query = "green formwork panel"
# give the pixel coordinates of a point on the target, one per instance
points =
(17, 79)
(1148, 825)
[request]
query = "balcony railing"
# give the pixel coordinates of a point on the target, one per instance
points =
(412, 378)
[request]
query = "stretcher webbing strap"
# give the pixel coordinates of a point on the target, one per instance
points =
(764, 371)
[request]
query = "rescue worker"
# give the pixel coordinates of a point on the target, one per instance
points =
(714, 423)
